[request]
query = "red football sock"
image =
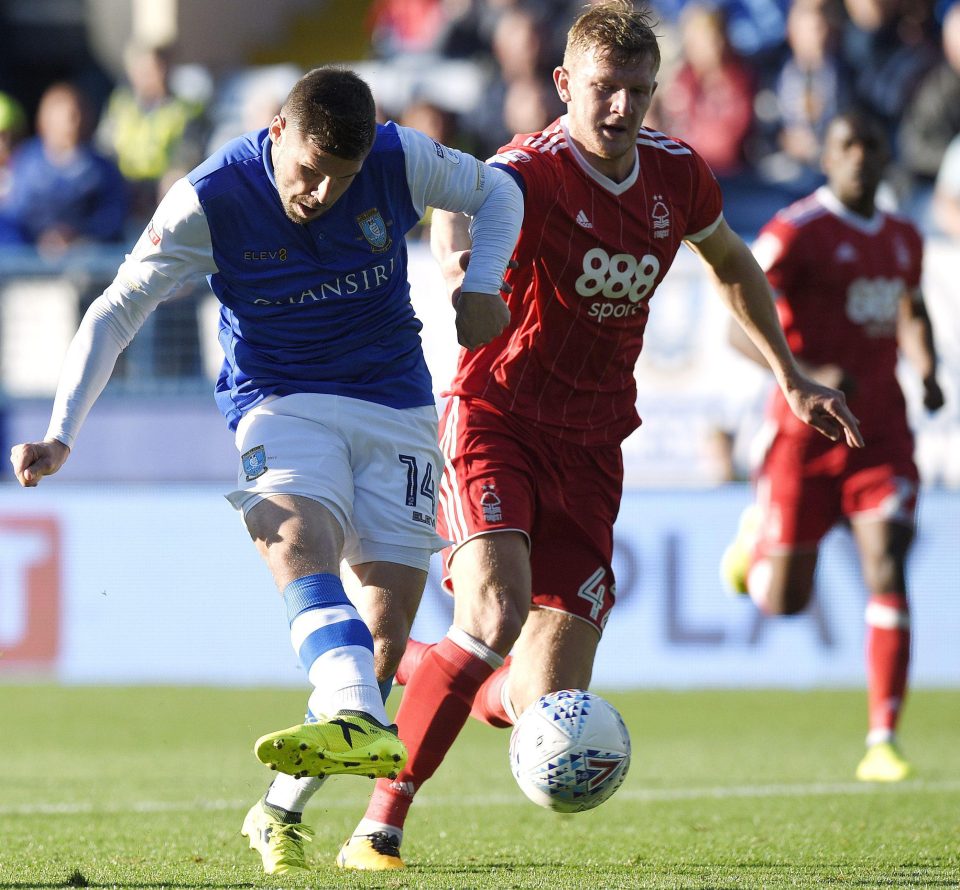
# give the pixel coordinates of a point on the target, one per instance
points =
(390, 802)
(433, 710)
(488, 702)
(412, 656)
(888, 656)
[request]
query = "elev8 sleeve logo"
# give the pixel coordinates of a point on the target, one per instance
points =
(30, 594)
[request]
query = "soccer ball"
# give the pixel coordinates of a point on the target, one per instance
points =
(569, 751)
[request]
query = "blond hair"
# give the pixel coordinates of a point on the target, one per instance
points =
(617, 30)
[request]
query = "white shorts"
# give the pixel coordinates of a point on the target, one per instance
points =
(375, 468)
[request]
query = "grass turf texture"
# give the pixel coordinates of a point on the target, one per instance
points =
(147, 788)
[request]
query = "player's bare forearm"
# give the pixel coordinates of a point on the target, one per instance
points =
(743, 287)
(449, 235)
(822, 407)
(738, 339)
(34, 460)
(831, 375)
(915, 338)
(481, 317)
(450, 245)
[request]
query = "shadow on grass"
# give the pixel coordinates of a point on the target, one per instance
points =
(158, 885)
(77, 879)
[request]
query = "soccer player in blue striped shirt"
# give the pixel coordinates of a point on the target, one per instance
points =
(299, 229)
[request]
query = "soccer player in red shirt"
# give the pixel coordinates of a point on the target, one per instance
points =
(534, 423)
(847, 279)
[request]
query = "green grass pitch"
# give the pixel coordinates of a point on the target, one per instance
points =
(147, 787)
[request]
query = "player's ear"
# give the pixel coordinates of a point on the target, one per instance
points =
(276, 128)
(561, 80)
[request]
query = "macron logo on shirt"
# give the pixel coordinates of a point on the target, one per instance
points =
(583, 221)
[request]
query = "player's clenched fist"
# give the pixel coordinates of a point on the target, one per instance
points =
(480, 318)
(34, 460)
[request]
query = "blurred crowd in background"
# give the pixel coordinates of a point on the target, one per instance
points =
(750, 85)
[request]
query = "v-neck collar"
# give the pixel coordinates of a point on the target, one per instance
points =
(615, 188)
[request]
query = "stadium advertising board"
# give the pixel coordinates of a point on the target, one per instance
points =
(161, 585)
(30, 592)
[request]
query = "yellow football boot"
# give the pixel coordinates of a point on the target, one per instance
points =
(735, 562)
(379, 851)
(883, 763)
(350, 743)
(280, 844)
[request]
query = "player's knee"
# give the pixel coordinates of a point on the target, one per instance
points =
(788, 600)
(495, 616)
(511, 624)
(778, 592)
(501, 629)
(884, 574)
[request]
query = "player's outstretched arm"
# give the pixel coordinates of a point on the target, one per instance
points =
(481, 317)
(915, 338)
(34, 460)
(744, 288)
(823, 408)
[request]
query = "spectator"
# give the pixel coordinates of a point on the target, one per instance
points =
(946, 192)
(709, 101)
(755, 28)
(530, 104)
(467, 31)
(888, 51)
(441, 126)
(404, 26)
(428, 117)
(62, 191)
(147, 128)
(13, 126)
(520, 50)
(469, 26)
(812, 85)
(932, 116)
(248, 100)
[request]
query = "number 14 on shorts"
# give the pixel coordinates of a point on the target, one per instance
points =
(418, 485)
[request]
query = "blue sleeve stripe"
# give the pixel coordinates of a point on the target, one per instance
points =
(334, 636)
(313, 592)
(514, 173)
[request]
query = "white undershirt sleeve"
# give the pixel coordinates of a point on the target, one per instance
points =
(439, 176)
(174, 248)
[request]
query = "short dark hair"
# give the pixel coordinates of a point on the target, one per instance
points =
(865, 126)
(618, 30)
(334, 109)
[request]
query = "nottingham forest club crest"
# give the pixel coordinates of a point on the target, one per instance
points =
(375, 230)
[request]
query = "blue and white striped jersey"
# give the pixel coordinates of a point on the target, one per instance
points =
(322, 307)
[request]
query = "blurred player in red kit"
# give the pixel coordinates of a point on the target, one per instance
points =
(533, 427)
(847, 279)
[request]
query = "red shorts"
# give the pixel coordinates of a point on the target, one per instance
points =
(803, 490)
(502, 474)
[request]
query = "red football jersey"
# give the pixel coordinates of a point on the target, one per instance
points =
(591, 254)
(839, 279)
